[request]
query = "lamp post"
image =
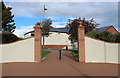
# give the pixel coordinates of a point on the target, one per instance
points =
(44, 12)
(44, 22)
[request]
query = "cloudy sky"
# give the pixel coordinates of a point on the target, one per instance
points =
(27, 14)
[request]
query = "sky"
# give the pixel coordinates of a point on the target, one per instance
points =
(27, 14)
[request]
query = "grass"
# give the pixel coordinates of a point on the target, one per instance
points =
(44, 53)
(75, 53)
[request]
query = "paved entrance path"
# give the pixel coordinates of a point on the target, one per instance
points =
(52, 66)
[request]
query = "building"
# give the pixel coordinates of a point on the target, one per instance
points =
(55, 30)
(57, 39)
(107, 28)
(66, 30)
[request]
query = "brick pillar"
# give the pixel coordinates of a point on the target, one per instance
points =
(38, 42)
(81, 43)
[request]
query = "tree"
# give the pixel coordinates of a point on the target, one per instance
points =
(105, 36)
(7, 19)
(0, 16)
(73, 25)
(46, 26)
(117, 37)
(8, 37)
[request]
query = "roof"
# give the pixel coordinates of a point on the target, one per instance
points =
(102, 29)
(60, 30)
(66, 30)
(29, 32)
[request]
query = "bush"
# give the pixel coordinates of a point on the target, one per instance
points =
(106, 36)
(8, 37)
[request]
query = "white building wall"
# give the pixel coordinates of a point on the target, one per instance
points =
(75, 46)
(57, 39)
(21, 51)
(27, 35)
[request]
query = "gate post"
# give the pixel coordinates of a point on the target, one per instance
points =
(81, 43)
(38, 42)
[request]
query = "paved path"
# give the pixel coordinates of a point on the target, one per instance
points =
(52, 66)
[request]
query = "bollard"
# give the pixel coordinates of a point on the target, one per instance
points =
(59, 54)
(66, 48)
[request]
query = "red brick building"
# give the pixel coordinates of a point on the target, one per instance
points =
(107, 28)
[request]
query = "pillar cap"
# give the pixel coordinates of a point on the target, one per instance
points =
(38, 25)
(80, 22)
(80, 25)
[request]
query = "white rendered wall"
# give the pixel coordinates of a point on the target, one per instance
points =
(111, 53)
(0, 53)
(94, 50)
(0, 61)
(21, 51)
(100, 52)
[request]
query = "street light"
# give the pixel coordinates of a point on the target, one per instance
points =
(45, 9)
(44, 22)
